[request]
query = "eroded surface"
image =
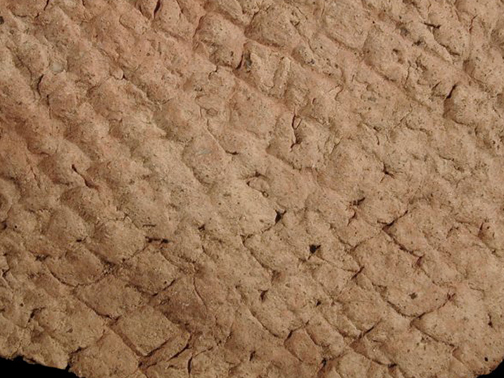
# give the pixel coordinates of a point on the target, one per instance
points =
(252, 188)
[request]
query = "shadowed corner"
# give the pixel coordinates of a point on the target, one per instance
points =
(499, 372)
(20, 368)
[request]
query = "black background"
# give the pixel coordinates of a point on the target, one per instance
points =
(19, 368)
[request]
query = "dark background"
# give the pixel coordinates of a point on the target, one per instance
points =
(19, 368)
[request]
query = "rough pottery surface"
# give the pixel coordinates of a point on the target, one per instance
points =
(252, 188)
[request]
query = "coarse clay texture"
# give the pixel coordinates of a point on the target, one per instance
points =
(252, 188)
